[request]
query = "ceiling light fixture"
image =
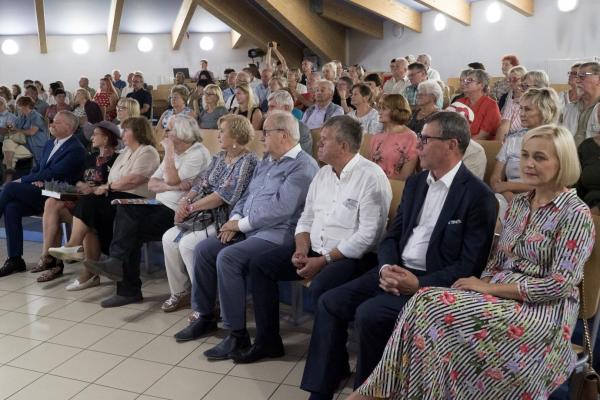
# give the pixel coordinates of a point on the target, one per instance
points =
(145, 45)
(493, 13)
(567, 5)
(440, 22)
(206, 43)
(80, 46)
(10, 47)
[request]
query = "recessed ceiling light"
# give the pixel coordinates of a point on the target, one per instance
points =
(80, 46)
(145, 45)
(567, 5)
(440, 22)
(10, 47)
(493, 13)
(206, 43)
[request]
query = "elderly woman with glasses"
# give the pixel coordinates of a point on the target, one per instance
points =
(214, 107)
(509, 103)
(178, 99)
(487, 113)
(429, 94)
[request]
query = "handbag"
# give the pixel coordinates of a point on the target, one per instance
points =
(201, 220)
(585, 384)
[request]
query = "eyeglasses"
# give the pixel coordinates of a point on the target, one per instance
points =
(583, 75)
(468, 81)
(572, 73)
(424, 139)
(267, 132)
(121, 108)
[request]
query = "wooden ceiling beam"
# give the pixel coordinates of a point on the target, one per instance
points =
(253, 26)
(525, 7)
(114, 23)
(458, 10)
(41, 25)
(235, 39)
(394, 11)
(327, 39)
(184, 16)
(349, 16)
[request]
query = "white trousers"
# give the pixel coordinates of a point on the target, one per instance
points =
(179, 256)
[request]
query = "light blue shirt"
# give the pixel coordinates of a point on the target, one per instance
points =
(262, 92)
(35, 143)
(7, 117)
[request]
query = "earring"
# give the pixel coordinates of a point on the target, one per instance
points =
(234, 146)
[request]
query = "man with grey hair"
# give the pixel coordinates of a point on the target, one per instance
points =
(442, 231)
(262, 89)
(281, 100)
(117, 81)
(84, 83)
(185, 157)
(343, 220)
(323, 109)
(398, 82)
(63, 159)
(262, 220)
(425, 59)
(582, 116)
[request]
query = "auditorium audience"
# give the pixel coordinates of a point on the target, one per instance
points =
(84, 83)
(373, 81)
(515, 339)
(39, 105)
(178, 99)
(398, 82)
(364, 113)
(570, 95)
(215, 191)
(323, 109)
(185, 157)
(229, 91)
(538, 107)
(61, 105)
(487, 113)
(263, 220)
(281, 101)
(41, 91)
(7, 119)
(420, 249)
(127, 108)
(204, 68)
(395, 149)
(242, 77)
(93, 215)
(143, 97)
(334, 236)
(474, 157)
(214, 107)
(86, 109)
(537, 78)
(117, 82)
(307, 68)
(577, 116)
(28, 137)
(502, 86)
(509, 103)
(262, 89)
(129, 88)
(61, 159)
(105, 140)
(429, 94)
(106, 97)
(425, 59)
(247, 107)
(344, 88)
(356, 73)
(294, 84)
(416, 74)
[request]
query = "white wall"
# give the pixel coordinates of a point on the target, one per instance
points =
(538, 41)
(60, 63)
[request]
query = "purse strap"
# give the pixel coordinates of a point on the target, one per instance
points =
(587, 341)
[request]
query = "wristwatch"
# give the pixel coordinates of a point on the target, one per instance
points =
(328, 259)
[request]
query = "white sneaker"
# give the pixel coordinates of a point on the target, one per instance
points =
(76, 285)
(67, 253)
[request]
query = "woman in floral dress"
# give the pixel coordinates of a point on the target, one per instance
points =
(107, 98)
(506, 335)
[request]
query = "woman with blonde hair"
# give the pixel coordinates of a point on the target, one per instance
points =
(214, 107)
(107, 97)
(246, 106)
(509, 331)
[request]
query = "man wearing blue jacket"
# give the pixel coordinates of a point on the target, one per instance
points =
(62, 160)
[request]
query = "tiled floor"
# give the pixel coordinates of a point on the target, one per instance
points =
(60, 345)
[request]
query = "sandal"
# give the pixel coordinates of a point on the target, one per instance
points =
(45, 262)
(52, 273)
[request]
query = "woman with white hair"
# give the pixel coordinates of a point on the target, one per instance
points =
(429, 94)
(509, 103)
(178, 100)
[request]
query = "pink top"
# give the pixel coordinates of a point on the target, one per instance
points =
(391, 150)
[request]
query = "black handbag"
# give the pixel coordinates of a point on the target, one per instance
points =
(200, 220)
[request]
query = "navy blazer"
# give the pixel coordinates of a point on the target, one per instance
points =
(66, 165)
(462, 237)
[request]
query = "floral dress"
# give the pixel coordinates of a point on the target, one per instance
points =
(391, 150)
(456, 344)
(103, 100)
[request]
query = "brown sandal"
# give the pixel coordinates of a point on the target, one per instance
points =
(51, 274)
(45, 262)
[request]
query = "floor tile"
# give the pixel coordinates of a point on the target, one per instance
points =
(44, 357)
(97, 392)
(16, 281)
(152, 322)
(11, 321)
(113, 317)
(87, 366)
(81, 335)
(179, 325)
(43, 306)
(157, 286)
(272, 370)
(197, 360)
(134, 375)
(12, 347)
(165, 350)
(44, 328)
(14, 379)
(295, 376)
(184, 384)
(230, 387)
(285, 392)
(295, 343)
(98, 293)
(122, 342)
(50, 387)
(77, 311)
(14, 300)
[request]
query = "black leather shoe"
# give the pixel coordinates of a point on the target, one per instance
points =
(258, 352)
(228, 346)
(118, 301)
(196, 329)
(110, 267)
(12, 265)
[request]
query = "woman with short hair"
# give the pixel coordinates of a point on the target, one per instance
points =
(506, 335)
(214, 107)
(216, 189)
(429, 94)
(502, 86)
(246, 106)
(364, 113)
(127, 107)
(179, 97)
(509, 103)
(61, 105)
(93, 214)
(487, 113)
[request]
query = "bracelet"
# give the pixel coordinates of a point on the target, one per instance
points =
(328, 259)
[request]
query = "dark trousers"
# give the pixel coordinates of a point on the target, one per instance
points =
(134, 225)
(18, 200)
(374, 313)
(277, 266)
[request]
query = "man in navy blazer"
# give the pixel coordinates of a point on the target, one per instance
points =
(62, 160)
(442, 232)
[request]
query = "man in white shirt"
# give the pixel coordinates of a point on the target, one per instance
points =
(425, 59)
(398, 81)
(323, 109)
(344, 217)
(442, 232)
(242, 77)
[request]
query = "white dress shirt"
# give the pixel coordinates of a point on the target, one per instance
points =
(348, 213)
(415, 251)
(393, 86)
(57, 144)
